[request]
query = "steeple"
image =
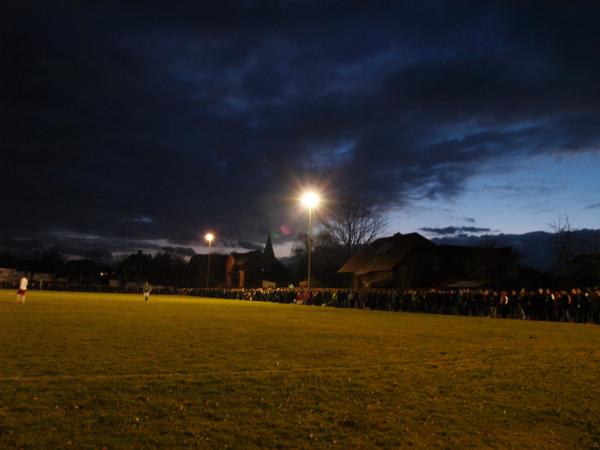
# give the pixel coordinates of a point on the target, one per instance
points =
(268, 251)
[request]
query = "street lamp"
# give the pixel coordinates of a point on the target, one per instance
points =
(209, 237)
(309, 200)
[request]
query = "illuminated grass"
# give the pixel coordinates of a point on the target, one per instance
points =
(103, 370)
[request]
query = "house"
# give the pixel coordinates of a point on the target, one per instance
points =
(136, 267)
(9, 276)
(411, 260)
(257, 268)
(199, 269)
(43, 280)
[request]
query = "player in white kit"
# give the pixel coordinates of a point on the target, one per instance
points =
(22, 292)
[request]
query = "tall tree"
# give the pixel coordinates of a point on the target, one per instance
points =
(566, 244)
(348, 227)
(352, 225)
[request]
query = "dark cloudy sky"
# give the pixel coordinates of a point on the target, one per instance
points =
(126, 127)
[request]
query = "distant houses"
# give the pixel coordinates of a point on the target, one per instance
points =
(198, 270)
(8, 276)
(411, 260)
(401, 261)
(254, 269)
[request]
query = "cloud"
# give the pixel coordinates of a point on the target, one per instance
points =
(179, 251)
(249, 245)
(520, 190)
(451, 230)
(142, 219)
(22, 246)
(165, 122)
(593, 206)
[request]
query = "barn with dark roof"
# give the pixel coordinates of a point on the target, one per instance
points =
(411, 260)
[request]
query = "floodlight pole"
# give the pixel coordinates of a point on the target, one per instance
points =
(208, 265)
(309, 244)
(310, 200)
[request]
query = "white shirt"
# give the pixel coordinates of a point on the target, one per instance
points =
(23, 284)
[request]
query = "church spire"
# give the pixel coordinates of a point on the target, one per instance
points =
(268, 251)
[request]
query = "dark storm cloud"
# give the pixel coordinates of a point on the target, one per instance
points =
(246, 245)
(179, 251)
(450, 231)
(22, 246)
(140, 126)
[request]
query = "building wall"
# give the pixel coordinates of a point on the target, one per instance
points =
(431, 267)
(229, 267)
(7, 274)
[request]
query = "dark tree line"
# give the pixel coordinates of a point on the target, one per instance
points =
(169, 268)
(164, 268)
(75, 271)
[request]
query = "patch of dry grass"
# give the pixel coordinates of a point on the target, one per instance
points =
(104, 370)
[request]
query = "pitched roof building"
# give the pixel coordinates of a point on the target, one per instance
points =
(411, 260)
(257, 268)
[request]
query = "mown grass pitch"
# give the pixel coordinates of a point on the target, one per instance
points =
(103, 370)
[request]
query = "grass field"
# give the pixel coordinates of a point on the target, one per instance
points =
(103, 370)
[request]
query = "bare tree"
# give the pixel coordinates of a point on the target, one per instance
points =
(565, 242)
(353, 225)
(562, 239)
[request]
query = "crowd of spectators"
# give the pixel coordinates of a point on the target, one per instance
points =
(575, 305)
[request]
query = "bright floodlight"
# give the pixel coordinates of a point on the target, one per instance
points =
(209, 237)
(310, 200)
